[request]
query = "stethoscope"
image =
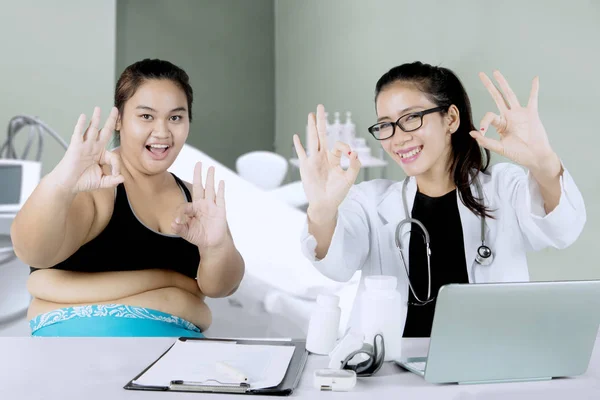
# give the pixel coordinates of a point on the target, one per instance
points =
(484, 253)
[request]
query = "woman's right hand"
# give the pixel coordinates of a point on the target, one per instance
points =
(325, 183)
(81, 169)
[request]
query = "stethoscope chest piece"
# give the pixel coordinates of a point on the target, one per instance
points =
(484, 255)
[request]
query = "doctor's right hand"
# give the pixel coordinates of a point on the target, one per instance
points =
(81, 169)
(325, 182)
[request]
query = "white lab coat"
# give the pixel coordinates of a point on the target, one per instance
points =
(364, 237)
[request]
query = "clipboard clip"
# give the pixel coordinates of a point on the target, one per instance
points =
(205, 386)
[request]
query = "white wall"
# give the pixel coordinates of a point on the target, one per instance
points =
(58, 60)
(334, 51)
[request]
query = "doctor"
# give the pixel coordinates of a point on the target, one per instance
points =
(479, 220)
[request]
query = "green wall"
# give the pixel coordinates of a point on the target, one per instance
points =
(227, 48)
(333, 52)
(58, 61)
(258, 67)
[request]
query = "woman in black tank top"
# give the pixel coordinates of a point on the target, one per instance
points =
(119, 246)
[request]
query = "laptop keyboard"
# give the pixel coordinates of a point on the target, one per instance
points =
(418, 365)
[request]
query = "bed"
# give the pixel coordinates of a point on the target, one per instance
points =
(281, 285)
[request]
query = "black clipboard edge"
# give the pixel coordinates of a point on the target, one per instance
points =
(285, 388)
(132, 386)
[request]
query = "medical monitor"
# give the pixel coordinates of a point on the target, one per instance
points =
(18, 179)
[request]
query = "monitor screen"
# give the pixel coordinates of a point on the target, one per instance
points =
(10, 182)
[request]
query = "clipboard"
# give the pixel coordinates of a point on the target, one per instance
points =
(285, 388)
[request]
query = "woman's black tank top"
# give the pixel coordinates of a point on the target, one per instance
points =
(126, 244)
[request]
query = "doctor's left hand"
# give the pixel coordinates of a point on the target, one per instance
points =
(523, 138)
(203, 222)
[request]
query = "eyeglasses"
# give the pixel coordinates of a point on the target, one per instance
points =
(408, 123)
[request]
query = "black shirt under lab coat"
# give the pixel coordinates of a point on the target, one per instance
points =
(441, 217)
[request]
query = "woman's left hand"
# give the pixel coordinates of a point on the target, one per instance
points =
(523, 138)
(202, 222)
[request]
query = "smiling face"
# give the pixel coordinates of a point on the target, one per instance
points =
(154, 126)
(425, 149)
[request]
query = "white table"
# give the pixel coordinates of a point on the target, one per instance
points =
(98, 368)
(366, 164)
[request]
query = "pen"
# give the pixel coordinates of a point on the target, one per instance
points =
(231, 371)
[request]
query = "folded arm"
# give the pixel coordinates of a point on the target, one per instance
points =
(338, 248)
(550, 210)
(221, 270)
(54, 222)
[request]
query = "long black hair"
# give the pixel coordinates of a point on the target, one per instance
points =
(443, 88)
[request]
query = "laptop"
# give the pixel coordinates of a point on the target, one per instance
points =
(510, 332)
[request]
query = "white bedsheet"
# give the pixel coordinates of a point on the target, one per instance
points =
(266, 231)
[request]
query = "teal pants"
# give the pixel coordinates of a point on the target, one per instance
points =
(114, 320)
